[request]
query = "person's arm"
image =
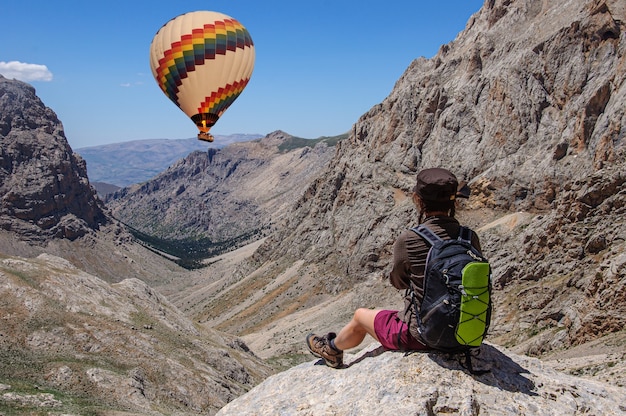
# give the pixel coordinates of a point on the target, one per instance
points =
(476, 241)
(401, 266)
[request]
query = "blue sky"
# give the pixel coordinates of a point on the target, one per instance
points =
(319, 64)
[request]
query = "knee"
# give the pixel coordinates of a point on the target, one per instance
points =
(361, 314)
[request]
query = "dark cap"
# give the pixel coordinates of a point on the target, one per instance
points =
(436, 184)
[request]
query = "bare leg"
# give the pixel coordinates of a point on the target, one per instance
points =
(354, 332)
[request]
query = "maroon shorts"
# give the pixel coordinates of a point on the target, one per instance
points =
(389, 328)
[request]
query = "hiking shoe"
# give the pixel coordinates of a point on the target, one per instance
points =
(321, 348)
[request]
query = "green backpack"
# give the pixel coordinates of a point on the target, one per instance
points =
(455, 312)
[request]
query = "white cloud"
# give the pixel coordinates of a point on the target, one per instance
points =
(24, 71)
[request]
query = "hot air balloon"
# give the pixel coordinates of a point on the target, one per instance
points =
(202, 61)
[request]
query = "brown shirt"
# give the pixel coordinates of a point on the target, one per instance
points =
(409, 261)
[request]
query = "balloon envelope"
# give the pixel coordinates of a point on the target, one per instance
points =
(202, 61)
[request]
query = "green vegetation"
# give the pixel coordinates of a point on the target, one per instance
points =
(38, 397)
(51, 402)
(16, 361)
(26, 278)
(298, 142)
(189, 253)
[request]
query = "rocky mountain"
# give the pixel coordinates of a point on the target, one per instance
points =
(227, 196)
(71, 343)
(127, 163)
(43, 184)
(82, 332)
(527, 106)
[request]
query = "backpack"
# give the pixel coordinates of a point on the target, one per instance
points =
(455, 312)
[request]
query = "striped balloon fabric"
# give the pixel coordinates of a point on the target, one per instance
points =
(202, 61)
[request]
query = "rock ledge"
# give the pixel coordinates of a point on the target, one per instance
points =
(393, 383)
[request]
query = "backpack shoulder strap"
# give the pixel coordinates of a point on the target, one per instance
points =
(465, 234)
(426, 234)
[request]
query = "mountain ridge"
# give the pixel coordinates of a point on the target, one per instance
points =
(127, 163)
(223, 197)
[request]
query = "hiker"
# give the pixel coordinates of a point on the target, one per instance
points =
(434, 196)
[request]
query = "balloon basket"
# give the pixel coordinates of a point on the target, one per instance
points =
(207, 137)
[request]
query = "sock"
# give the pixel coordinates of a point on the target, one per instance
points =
(332, 345)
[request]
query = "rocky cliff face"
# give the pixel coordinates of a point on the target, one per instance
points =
(527, 105)
(44, 188)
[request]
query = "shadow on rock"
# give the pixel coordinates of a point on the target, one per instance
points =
(369, 354)
(496, 369)
(490, 366)
(372, 353)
